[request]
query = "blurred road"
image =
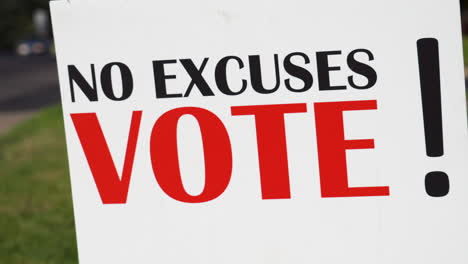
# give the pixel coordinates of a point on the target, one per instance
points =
(26, 86)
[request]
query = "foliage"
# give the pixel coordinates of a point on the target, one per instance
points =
(16, 20)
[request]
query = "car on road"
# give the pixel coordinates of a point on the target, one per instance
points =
(34, 47)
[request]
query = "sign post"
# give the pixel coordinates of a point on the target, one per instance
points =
(265, 132)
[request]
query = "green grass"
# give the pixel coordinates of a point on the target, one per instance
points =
(36, 215)
(465, 50)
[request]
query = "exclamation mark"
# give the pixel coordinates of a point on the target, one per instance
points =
(437, 182)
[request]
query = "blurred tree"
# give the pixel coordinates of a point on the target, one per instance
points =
(16, 20)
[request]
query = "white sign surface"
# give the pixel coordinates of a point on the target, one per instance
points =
(301, 132)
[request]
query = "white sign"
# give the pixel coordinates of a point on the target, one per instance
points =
(302, 131)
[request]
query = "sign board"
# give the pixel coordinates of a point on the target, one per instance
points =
(265, 131)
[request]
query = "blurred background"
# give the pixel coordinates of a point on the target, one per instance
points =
(36, 215)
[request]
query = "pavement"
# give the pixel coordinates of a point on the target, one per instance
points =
(27, 85)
